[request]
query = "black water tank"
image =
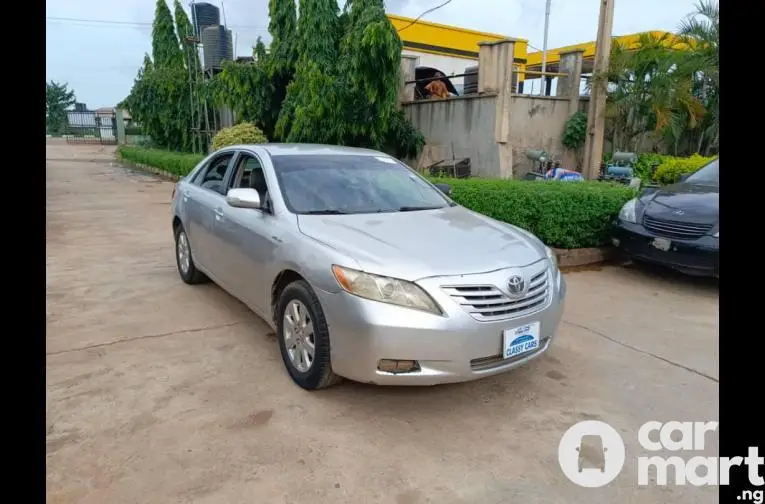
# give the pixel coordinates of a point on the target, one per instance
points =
(204, 14)
(216, 46)
(471, 80)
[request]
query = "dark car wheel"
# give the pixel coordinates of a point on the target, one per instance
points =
(304, 337)
(183, 259)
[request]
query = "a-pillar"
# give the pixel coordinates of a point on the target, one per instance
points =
(407, 74)
(495, 75)
(568, 87)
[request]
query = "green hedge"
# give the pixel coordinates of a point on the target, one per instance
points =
(671, 168)
(176, 163)
(561, 214)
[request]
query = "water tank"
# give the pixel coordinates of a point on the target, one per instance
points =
(216, 46)
(471, 80)
(203, 15)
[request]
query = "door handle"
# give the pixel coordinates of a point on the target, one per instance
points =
(218, 214)
(185, 196)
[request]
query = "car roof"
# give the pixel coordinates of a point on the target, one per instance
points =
(300, 149)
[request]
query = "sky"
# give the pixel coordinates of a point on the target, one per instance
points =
(97, 46)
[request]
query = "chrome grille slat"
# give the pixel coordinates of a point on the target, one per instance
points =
(675, 229)
(488, 303)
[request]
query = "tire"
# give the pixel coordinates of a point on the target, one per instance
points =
(191, 275)
(318, 373)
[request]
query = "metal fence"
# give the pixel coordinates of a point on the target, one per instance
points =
(91, 127)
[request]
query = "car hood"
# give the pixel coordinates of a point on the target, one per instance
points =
(685, 202)
(426, 243)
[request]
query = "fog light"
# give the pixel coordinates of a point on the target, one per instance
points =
(615, 242)
(398, 366)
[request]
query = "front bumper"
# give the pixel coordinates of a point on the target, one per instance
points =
(696, 257)
(451, 348)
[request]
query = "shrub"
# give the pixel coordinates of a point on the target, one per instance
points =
(243, 133)
(177, 163)
(561, 214)
(671, 168)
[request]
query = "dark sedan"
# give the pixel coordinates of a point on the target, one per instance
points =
(676, 225)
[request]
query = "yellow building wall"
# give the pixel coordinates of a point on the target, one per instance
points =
(434, 38)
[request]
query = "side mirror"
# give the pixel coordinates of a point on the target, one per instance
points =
(243, 198)
(683, 177)
(444, 188)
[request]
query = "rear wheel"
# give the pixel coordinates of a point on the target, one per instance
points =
(304, 337)
(183, 259)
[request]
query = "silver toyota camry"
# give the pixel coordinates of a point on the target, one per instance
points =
(364, 269)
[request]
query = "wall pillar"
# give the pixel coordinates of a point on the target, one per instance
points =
(119, 119)
(406, 73)
(495, 75)
(568, 87)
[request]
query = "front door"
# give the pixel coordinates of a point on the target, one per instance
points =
(246, 239)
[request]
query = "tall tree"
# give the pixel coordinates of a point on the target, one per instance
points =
(58, 98)
(166, 50)
(185, 29)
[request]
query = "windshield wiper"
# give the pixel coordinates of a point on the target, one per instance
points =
(325, 212)
(416, 208)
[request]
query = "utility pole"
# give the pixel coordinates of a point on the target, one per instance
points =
(543, 80)
(596, 119)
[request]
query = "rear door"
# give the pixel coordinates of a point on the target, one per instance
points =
(202, 198)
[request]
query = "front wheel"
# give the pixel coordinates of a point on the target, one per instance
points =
(183, 259)
(304, 337)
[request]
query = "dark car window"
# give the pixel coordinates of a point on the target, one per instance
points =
(707, 174)
(332, 183)
(212, 176)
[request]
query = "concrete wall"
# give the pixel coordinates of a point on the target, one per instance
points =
(465, 124)
(537, 122)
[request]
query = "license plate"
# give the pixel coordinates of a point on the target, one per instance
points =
(520, 340)
(662, 244)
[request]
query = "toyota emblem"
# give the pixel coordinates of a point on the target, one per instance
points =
(516, 285)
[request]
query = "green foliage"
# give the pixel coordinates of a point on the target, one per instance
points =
(575, 131)
(165, 48)
(667, 89)
(646, 164)
(561, 214)
(176, 163)
(244, 133)
(671, 168)
(185, 29)
(58, 98)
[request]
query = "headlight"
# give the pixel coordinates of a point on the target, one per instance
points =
(627, 213)
(384, 289)
(716, 235)
(552, 257)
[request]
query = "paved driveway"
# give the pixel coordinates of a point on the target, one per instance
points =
(158, 392)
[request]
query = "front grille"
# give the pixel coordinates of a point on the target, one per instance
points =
(674, 229)
(487, 303)
(493, 361)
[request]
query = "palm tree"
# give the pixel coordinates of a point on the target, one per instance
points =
(701, 31)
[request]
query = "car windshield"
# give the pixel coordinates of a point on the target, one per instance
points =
(708, 174)
(352, 184)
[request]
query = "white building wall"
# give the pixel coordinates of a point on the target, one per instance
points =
(449, 65)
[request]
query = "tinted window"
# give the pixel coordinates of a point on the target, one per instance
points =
(707, 174)
(212, 176)
(352, 184)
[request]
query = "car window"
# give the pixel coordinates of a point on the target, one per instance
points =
(212, 176)
(244, 172)
(707, 174)
(331, 183)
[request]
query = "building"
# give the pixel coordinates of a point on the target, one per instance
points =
(450, 49)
